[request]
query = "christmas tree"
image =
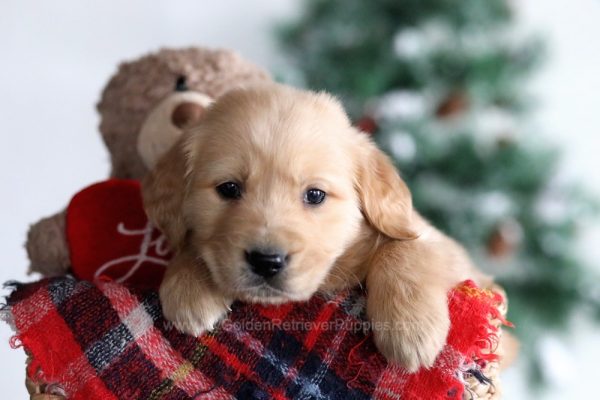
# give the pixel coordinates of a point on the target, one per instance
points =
(441, 86)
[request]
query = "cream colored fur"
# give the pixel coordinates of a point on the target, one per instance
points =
(278, 142)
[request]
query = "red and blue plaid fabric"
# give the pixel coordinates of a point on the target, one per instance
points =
(106, 341)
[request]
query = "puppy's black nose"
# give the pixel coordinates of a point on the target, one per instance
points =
(266, 265)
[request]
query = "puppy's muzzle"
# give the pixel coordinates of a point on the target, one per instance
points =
(266, 265)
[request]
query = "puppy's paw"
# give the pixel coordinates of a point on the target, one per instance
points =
(191, 304)
(412, 341)
(192, 313)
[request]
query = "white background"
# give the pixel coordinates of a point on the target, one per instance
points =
(56, 56)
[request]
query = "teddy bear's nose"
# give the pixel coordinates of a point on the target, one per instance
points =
(186, 114)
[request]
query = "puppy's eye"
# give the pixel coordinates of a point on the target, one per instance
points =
(229, 190)
(181, 84)
(314, 196)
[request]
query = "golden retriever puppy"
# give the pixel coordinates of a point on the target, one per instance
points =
(275, 196)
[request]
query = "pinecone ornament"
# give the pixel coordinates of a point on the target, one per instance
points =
(505, 239)
(456, 103)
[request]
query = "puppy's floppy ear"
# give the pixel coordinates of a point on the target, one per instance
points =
(163, 191)
(385, 199)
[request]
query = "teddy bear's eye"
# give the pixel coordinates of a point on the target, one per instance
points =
(181, 84)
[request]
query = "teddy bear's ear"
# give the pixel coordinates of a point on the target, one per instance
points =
(163, 191)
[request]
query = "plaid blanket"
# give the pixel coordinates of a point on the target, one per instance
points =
(105, 341)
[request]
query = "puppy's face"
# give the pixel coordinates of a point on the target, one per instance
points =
(275, 184)
(272, 193)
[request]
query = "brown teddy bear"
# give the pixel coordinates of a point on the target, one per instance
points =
(143, 109)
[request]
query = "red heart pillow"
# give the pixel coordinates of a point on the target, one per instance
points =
(109, 235)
